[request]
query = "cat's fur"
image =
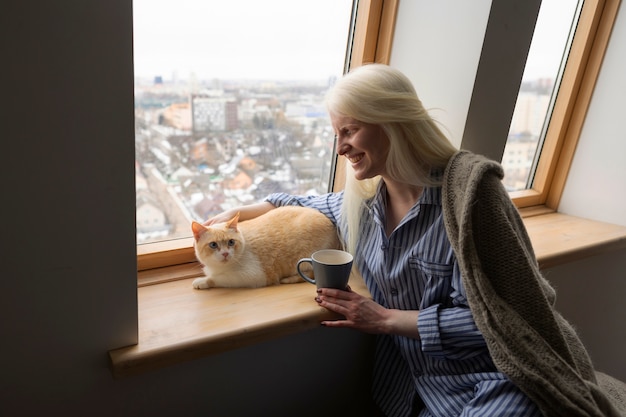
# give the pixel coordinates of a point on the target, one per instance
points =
(262, 251)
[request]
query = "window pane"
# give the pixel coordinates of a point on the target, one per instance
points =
(229, 104)
(548, 51)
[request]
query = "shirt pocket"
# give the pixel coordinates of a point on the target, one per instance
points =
(437, 281)
(430, 268)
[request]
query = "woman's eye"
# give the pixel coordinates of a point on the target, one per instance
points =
(231, 242)
(213, 245)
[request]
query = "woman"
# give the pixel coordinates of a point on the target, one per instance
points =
(448, 264)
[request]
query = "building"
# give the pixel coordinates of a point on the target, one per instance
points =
(213, 113)
(151, 220)
(178, 115)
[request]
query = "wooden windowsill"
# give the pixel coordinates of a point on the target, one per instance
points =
(178, 323)
(558, 238)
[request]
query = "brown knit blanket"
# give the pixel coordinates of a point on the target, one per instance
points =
(512, 303)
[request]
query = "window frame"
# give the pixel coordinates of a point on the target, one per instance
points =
(372, 41)
(570, 107)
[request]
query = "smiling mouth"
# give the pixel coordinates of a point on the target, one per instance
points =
(355, 159)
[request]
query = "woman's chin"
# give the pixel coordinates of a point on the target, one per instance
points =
(362, 175)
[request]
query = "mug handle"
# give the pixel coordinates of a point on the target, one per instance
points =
(304, 277)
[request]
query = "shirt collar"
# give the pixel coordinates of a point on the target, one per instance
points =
(431, 195)
(376, 205)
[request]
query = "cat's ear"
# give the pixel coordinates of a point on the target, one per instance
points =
(197, 229)
(232, 223)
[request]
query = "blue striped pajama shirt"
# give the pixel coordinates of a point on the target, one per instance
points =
(415, 268)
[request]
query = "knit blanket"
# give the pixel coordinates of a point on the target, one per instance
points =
(512, 303)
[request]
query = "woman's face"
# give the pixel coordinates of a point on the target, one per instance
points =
(365, 145)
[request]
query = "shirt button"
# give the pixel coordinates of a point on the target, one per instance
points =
(394, 291)
(383, 246)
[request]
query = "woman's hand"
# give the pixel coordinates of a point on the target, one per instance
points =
(245, 213)
(222, 217)
(364, 314)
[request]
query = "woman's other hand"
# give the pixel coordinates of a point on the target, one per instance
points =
(222, 217)
(245, 213)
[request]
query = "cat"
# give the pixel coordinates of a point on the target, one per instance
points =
(262, 251)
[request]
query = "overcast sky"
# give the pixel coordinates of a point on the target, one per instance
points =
(280, 39)
(241, 39)
(553, 25)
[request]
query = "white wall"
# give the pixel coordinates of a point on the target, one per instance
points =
(437, 45)
(590, 294)
(596, 184)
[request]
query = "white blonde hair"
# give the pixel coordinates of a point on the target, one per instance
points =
(381, 95)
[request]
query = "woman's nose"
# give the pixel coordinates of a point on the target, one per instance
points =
(342, 147)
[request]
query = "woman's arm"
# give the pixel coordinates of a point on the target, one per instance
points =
(245, 213)
(328, 204)
(448, 333)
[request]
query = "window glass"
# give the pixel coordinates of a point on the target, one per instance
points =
(546, 60)
(229, 104)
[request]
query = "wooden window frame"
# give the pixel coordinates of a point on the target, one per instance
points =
(570, 108)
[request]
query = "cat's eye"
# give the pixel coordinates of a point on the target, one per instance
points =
(231, 242)
(213, 245)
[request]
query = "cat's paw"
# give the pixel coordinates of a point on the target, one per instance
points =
(202, 283)
(291, 280)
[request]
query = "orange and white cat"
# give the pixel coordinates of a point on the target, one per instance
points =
(262, 251)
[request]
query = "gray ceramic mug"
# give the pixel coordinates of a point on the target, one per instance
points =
(331, 268)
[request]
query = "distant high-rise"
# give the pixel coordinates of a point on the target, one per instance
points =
(213, 113)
